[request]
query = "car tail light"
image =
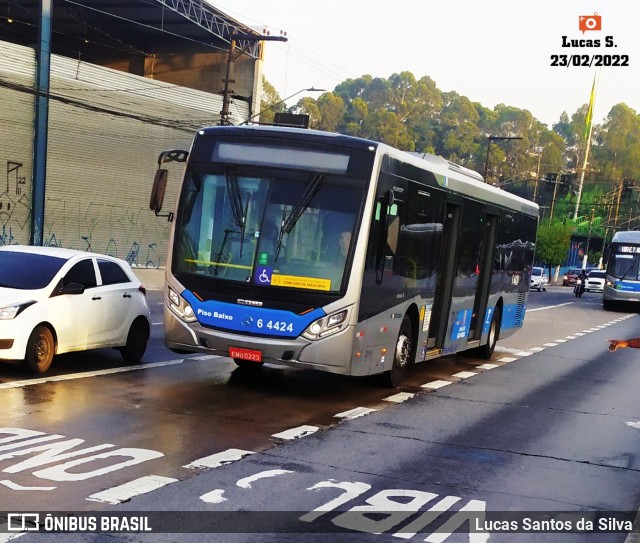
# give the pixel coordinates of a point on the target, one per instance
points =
(143, 290)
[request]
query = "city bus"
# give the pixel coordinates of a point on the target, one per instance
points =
(622, 263)
(322, 251)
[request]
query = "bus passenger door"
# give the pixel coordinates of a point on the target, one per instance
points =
(446, 277)
(485, 260)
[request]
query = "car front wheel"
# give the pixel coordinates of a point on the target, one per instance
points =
(40, 350)
(137, 340)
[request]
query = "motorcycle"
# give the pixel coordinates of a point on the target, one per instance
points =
(579, 288)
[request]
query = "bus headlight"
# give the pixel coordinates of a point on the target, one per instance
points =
(180, 306)
(327, 326)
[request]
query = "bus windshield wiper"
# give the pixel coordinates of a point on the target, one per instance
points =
(290, 221)
(239, 214)
(624, 275)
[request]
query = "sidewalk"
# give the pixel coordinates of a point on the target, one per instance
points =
(151, 278)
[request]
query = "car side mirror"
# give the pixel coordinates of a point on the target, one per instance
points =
(72, 288)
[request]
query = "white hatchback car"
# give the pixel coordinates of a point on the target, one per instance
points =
(538, 279)
(55, 300)
(595, 281)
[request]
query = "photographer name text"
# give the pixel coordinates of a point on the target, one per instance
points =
(588, 59)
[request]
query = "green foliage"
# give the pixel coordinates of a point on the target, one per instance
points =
(552, 243)
(413, 114)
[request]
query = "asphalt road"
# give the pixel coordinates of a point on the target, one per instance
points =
(551, 425)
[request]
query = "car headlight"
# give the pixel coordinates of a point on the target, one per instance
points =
(180, 306)
(12, 311)
(327, 326)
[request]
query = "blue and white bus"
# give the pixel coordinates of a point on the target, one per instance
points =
(622, 260)
(334, 253)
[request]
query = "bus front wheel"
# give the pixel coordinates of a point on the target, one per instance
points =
(402, 356)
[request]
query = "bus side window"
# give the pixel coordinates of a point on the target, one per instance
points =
(388, 219)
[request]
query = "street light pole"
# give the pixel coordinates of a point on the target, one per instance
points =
(535, 187)
(226, 93)
(310, 89)
(490, 140)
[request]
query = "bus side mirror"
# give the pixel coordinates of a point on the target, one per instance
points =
(158, 190)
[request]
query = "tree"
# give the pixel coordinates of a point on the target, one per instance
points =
(270, 102)
(552, 244)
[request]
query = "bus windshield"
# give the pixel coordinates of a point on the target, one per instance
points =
(625, 266)
(268, 227)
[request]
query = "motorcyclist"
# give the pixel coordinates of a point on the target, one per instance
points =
(581, 283)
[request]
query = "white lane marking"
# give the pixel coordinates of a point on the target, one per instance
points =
(580, 334)
(507, 350)
(125, 492)
(507, 359)
(219, 459)
(570, 337)
(549, 345)
(16, 486)
(536, 349)
(246, 482)
(98, 373)
(548, 307)
(204, 357)
(354, 413)
(215, 496)
(561, 341)
(295, 433)
(434, 385)
(399, 397)
(524, 353)
(488, 366)
(634, 425)
(156, 323)
(465, 374)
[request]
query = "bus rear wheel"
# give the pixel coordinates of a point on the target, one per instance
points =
(402, 356)
(486, 351)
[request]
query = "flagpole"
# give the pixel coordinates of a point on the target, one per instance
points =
(589, 130)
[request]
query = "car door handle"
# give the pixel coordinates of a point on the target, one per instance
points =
(126, 295)
(97, 298)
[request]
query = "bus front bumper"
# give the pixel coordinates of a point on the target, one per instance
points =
(332, 354)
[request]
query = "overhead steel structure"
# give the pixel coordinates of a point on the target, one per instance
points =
(122, 34)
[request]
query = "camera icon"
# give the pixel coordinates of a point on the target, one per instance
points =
(589, 22)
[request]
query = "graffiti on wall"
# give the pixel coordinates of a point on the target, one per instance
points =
(125, 231)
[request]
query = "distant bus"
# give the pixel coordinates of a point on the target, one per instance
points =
(622, 260)
(334, 253)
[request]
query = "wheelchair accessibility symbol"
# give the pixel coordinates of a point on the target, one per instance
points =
(262, 275)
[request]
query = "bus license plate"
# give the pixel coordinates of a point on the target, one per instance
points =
(245, 354)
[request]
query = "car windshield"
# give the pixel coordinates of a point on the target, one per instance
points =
(597, 275)
(27, 271)
(536, 271)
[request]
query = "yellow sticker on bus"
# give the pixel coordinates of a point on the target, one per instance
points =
(294, 281)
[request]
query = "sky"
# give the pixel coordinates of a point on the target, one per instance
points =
(491, 51)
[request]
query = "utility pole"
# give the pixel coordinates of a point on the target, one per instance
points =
(615, 220)
(233, 56)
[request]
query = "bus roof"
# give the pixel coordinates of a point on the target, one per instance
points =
(451, 175)
(630, 236)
